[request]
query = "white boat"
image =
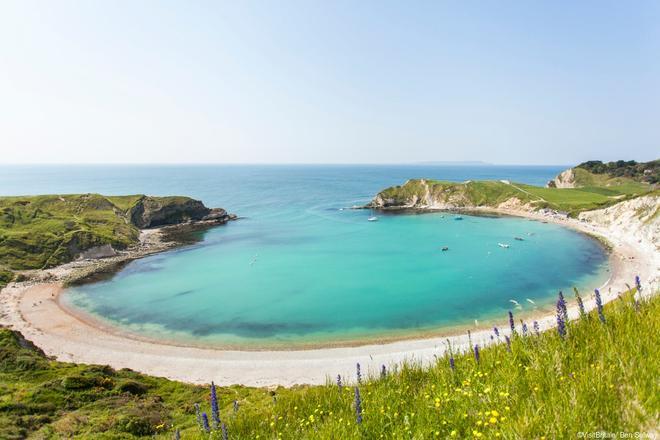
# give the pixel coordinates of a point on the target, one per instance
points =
(372, 219)
(503, 245)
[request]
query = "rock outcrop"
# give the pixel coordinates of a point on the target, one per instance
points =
(150, 212)
(429, 194)
(566, 179)
(44, 231)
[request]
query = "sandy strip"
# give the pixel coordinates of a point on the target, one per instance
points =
(33, 309)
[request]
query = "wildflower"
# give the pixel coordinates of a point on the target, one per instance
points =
(580, 303)
(205, 422)
(358, 406)
(198, 414)
(383, 372)
(537, 329)
(561, 324)
(512, 324)
(359, 375)
(476, 353)
(638, 283)
(215, 411)
(564, 310)
(508, 343)
(339, 381)
(223, 427)
(451, 362)
(599, 305)
(496, 331)
(524, 329)
(235, 406)
(470, 338)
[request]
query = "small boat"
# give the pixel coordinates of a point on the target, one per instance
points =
(458, 218)
(372, 219)
(445, 248)
(503, 245)
(519, 238)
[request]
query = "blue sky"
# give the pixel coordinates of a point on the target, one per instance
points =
(329, 82)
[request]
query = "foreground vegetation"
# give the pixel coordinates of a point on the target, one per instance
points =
(598, 376)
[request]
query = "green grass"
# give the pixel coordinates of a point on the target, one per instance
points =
(44, 231)
(600, 377)
(601, 191)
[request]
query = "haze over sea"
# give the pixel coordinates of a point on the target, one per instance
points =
(297, 270)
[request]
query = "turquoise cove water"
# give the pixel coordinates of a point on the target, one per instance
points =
(298, 270)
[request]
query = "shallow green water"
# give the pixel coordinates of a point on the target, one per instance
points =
(344, 278)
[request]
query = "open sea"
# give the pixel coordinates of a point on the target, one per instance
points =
(297, 270)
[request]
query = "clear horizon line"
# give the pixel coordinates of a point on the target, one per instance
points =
(419, 163)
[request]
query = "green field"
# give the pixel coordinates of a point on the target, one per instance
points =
(599, 377)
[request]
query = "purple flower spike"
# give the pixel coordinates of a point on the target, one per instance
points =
(215, 410)
(205, 422)
(225, 435)
(496, 331)
(512, 324)
(583, 313)
(339, 381)
(476, 353)
(508, 343)
(235, 406)
(358, 406)
(537, 329)
(198, 414)
(564, 309)
(359, 375)
(638, 283)
(383, 372)
(452, 365)
(561, 324)
(599, 305)
(524, 329)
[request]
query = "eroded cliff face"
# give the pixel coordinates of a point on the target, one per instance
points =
(639, 217)
(418, 194)
(425, 194)
(150, 212)
(566, 179)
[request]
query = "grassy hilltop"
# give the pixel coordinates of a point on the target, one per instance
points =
(44, 231)
(582, 190)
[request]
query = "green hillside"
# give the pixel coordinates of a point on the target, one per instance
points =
(44, 231)
(595, 194)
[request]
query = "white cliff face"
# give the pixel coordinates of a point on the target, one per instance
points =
(636, 222)
(566, 179)
(638, 218)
